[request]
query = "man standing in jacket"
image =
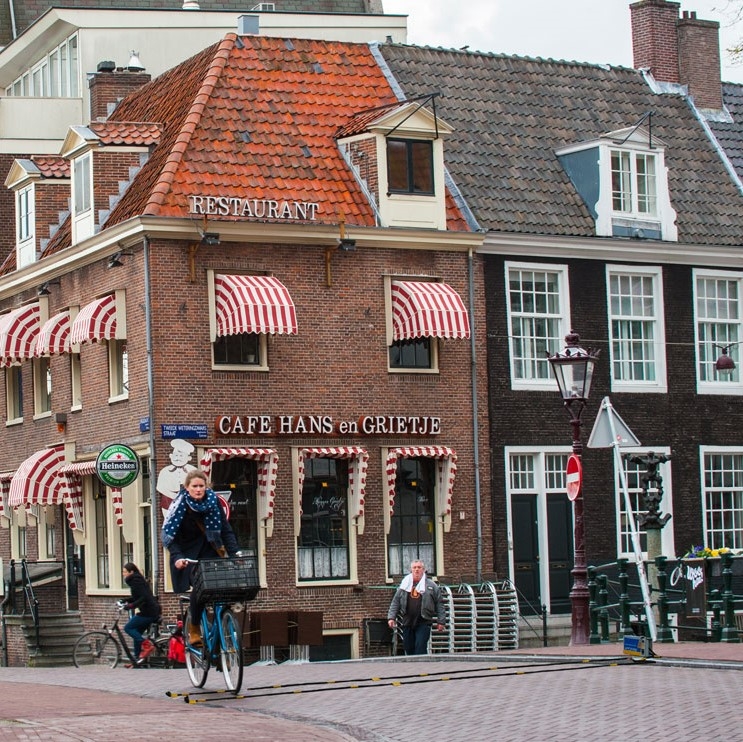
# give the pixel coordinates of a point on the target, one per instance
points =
(418, 601)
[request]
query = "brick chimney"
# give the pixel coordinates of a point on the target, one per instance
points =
(678, 50)
(110, 85)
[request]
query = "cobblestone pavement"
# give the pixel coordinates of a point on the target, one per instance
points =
(689, 692)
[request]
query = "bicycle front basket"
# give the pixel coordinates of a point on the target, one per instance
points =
(226, 580)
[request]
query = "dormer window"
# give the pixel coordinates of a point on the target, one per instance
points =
(82, 197)
(633, 186)
(623, 181)
(26, 229)
(410, 166)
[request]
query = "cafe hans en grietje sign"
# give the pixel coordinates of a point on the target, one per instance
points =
(254, 208)
(233, 425)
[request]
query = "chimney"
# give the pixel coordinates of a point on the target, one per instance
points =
(654, 38)
(109, 85)
(699, 60)
(678, 50)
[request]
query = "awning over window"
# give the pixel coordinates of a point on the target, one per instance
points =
(18, 332)
(446, 469)
(259, 304)
(268, 464)
(54, 335)
(37, 481)
(359, 459)
(72, 478)
(5, 478)
(427, 309)
(96, 321)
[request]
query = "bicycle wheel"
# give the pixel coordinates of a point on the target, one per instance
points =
(96, 648)
(197, 659)
(232, 653)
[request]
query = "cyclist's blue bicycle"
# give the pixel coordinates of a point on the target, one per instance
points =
(219, 583)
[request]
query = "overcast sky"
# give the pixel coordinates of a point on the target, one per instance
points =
(595, 31)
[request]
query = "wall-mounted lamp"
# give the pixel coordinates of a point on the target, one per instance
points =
(210, 238)
(345, 243)
(724, 363)
(61, 420)
(115, 260)
(43, 290)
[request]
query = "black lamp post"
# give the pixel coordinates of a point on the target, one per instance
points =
(573, 369)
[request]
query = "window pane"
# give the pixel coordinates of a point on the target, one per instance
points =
(718, 325)
(422, 156)
(397, 165)
(242, 349)
(238, 478)
(411, 353)
(723, 500)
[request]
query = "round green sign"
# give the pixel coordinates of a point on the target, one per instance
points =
(117, 465)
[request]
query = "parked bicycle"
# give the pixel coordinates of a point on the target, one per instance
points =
(220, 584)
(107, 646)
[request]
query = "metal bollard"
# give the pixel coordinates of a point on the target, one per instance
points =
(730, 631)
(624, 602)
(715, 602)
(664, 633)
(593, 613)
(603, 600)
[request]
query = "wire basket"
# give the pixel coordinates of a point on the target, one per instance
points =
(226, 580)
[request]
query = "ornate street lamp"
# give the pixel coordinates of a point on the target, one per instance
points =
(573, 369)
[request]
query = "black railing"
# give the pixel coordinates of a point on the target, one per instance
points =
(31, 600)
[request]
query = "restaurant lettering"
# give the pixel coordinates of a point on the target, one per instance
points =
(254, 208)
(247, 425)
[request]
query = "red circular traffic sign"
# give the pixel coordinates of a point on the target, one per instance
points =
(573, 477)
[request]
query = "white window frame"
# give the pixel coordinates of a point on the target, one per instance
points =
(42, 377)
(633, 205)
(118, 370)
(82, 197)
(353, 574)
(713, 333)
(25, 200)
(623, 535)
(46, 520)
(537, 347)
(14, 394)
(56, 75)
(541, 489)
(647, 311)
(18, 533)
(76, 381)
(736, 513)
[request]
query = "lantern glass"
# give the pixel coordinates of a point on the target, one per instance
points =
(573, 369)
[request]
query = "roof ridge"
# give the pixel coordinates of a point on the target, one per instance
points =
(191, 121)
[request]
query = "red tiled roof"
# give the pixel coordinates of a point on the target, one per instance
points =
(257, 117)
(52, 166)
(126, 133)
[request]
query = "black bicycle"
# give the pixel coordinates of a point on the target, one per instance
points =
(107, 646)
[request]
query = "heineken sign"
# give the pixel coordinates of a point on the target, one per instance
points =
(117, 466)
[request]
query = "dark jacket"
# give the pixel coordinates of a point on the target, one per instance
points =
(191, 543)
(432, 606)
(142, 597)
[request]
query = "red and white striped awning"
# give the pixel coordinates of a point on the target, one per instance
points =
(54, 335)
(5, 478)
(18, 332)
(95, 321)
(359, 459)
(258, 304)
(446, 469)
(37, 481)
(72, 477)
(427, 309)
(268, 464)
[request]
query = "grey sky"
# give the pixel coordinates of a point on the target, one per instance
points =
(583, 30)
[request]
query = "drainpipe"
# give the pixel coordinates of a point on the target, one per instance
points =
(13, 28)
(475, 432)
(151, 412)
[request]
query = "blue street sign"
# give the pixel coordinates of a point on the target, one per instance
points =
(195, 430)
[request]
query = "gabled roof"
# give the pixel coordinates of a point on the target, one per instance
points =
(730, 133)
(35, 168)
(256, 117)
(511, 114)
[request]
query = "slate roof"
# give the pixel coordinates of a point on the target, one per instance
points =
(730, 135)
(511, 113)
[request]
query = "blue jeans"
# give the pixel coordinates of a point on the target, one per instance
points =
(134, 627)
(415, 640)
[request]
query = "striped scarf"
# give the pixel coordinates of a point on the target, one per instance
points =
(210, 508)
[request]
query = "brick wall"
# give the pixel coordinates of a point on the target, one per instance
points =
(108, 88)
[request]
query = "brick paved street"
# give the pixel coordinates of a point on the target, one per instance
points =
(691, 692)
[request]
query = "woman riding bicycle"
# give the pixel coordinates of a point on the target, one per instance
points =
(195, 527)
(145, 603)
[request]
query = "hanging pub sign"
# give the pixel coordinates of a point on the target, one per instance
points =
(117, 465)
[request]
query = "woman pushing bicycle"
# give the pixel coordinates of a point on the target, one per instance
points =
(195, 528)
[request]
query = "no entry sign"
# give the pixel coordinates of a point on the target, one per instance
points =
(573, 477)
